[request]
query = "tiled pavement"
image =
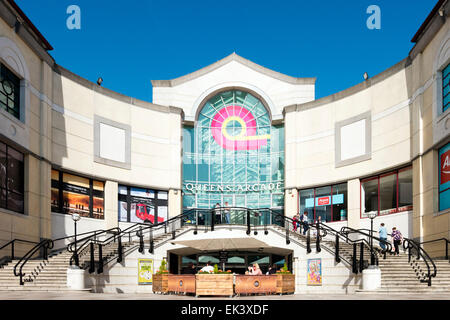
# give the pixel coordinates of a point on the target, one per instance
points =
(124, 296)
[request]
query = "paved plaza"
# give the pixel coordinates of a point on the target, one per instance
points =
(128, 296)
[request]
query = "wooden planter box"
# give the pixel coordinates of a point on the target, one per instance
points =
(160, 283)
(265, 284)
(214, 285)
(285, 283)
(181, 283)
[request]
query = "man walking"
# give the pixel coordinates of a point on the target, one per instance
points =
(383, 236)
(304, 222)
(227, 213)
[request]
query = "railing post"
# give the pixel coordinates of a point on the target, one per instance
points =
(92, 262)
(409, 252)
(354, 264)
(361, 257)
(266, 232)
(120, 249)
(45, 256)
(337, 258)
(248, 222)
(151, 249)
(446, 250)
(196, 222)
(100, 259)
(318, 249)
(165, 226)
(286, 226)
(308, 241)
(141, 240)
(173, 226)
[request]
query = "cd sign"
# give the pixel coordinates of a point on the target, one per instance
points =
(445, 166)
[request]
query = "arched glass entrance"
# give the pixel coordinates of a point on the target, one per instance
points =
(233, 154)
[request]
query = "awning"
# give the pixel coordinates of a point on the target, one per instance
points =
(229, 244)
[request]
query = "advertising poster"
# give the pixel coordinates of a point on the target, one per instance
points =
(314, 271)
(145, 271)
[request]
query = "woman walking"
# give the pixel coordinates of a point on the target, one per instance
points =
(397, 238)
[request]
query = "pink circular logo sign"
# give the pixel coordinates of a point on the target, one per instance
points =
(246, 139)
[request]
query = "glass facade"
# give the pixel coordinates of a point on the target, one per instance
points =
(11, 179)
(146, 205)
(387, 193)
(444, 177)
(445, 88)
(329, 203)
(234, 155)
(75, 194)
(9, 91)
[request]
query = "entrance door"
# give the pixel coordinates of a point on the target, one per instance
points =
(239, 216)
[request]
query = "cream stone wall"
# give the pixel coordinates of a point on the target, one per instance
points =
(30, 135)
(155, 137)
(310, 134)
(190, 91)
(430, 131)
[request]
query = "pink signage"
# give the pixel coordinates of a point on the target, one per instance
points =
(246, 139)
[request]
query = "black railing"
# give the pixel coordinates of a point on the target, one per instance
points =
(446, 245)
(12, 245)
(44, 245)
(421, 254)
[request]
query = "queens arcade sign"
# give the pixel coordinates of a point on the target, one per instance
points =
(231, 188)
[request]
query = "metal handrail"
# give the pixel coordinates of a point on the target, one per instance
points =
(437, 240)
(421, 253)
(45, 244)
(12, 243)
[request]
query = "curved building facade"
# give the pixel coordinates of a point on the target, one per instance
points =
(233, 132)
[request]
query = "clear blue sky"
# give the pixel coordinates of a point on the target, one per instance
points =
(129, 43)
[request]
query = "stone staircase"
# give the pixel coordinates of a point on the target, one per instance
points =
(51, 275)
(397, 274)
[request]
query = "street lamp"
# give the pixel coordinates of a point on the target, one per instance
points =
(372, 215)
(76, 217)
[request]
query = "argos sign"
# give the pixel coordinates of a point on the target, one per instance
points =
(445, 166)
(246, 139)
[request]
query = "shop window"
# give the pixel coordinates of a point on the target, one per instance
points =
(387, 193)
(444, 177)
(329, 203)
(75, 194)
(9, 91)
(11, 179)
(446, 88)
(145, 205)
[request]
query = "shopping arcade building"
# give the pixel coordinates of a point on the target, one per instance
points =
(231, 132)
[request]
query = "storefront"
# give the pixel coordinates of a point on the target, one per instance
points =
(233, 155)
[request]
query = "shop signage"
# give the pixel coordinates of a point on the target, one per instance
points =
(193, 188)
(246, 139)
(445, 165)
(324, 201)
(145, 271)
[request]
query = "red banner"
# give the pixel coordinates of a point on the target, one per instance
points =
(445, 167)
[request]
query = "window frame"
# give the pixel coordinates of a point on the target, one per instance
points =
(331, 201)
(6, 72)
(378, 178)
(7, 190)
(444, 108)
(157, 201)
(439, 210)
(60, 188)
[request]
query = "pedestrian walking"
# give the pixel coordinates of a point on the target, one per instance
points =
(383, 236)
(397, 238)
(304, 222)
